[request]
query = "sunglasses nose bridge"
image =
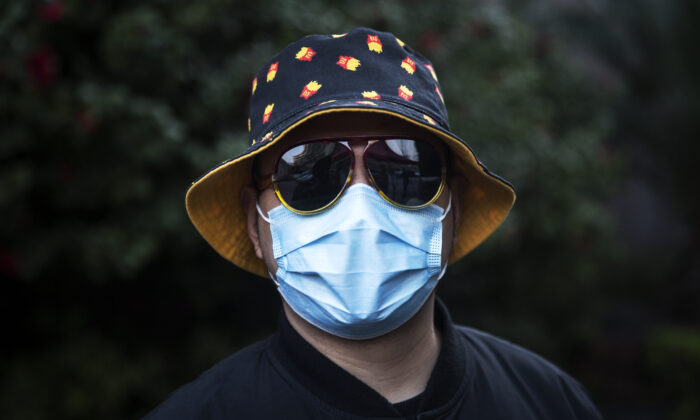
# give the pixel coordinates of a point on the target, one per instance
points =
(359, 171)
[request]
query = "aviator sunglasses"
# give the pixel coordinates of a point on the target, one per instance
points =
(311, 176)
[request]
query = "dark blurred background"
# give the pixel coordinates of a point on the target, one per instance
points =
(109, 109)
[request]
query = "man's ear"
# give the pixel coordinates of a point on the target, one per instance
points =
(459, 186)
(249, 197)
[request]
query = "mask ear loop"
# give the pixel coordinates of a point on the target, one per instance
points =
(265, 218)
(442, 273)
(440, 219)
(447, 210)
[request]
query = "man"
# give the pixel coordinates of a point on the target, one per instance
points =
(353, 197)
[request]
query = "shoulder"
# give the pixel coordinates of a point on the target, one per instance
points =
(510, 370)
(501, 355)
(218, 390)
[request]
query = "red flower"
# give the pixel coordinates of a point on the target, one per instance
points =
(51, 11)
(42, 67)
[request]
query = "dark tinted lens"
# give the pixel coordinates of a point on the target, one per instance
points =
(311, 175)
(407, 171)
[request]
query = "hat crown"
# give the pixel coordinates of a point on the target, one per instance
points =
(359, 68)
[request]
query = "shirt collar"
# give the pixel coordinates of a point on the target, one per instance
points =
(338, 388)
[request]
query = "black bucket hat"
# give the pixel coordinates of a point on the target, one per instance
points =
(364, 71)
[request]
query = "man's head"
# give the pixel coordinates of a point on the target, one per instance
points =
(363, 82)
(337, 126)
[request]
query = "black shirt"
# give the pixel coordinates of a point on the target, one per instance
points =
(477, 376)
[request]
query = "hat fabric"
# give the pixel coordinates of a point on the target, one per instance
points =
(360, 71)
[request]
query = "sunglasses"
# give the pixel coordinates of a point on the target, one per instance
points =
(310, 177)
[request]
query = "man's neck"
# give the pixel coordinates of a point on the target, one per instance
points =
(397, 365)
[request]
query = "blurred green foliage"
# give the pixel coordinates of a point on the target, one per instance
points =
(110, 109)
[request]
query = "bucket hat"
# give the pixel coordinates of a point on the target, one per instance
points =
(363, 71)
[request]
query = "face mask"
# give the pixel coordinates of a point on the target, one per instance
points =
(360, 269)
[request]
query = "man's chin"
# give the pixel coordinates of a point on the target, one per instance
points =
(311, 332)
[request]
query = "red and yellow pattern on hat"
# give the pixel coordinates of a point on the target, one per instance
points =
(384, 77)
(439, 94)
(268, 111)
(374, 43)
(305, 54)
(348, 63)
(310, 89)
(408, 65)
(432, 71)
(267, 136)
(405, 93)
(272, 71)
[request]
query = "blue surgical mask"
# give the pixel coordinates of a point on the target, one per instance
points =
(361, 268)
